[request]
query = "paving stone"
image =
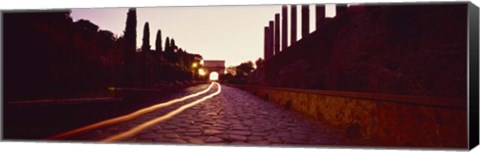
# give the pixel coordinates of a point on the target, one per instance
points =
(161, 131)
(273, 139)
(213, 139)
(295, 141)
(204, 126)
(255, 138)
(171, 135)
(235, 121)
(192, 133)
(248, 122)
(212, 132)
(299, 136)
(235, 117)
(284, 134)
(220, 127)
(260, 133)
(183, 124)
(260, 142)
(195, 141)
(169, 127)
(239, 143)
(211, 114)
(238, 132)
(159, 139)
(176, 141)
(147, 135)
(217, 117)
(180, 130)
(244, 128)
(298, 131)
(237, 137)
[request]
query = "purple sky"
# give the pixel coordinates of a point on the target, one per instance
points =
(230, 33)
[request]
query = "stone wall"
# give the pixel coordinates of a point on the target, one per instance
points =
(388, 120)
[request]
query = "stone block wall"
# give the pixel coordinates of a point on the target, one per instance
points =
(388, 120)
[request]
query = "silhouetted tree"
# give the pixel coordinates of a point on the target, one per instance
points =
(173, 47)
(130, 49)
(145, 52)
(146, 38)
(87, 25)
(259, 63)
(158, 42)
(107, 39)
(167, 45)
(130, 32)
(238, 74)
(169, 50)
(76, 58)
(244, 68)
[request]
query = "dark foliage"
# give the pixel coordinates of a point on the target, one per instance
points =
(238, 74)
(146, 38)
(130, 35)
(158, 41)
(48, 55)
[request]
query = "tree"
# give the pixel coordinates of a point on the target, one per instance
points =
(167, 45)
(130, 35)
(107, 39)
(172, 45)
(87, 25)
(259, 63)
(145, 50)
(169, 50)
(130, 32)
(244, 68)
(158, 42)
(146, 38)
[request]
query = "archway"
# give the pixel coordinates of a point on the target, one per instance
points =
(213, 76)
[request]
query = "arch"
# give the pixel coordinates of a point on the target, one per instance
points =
(213, 76)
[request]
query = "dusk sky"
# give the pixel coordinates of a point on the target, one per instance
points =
(231, 33)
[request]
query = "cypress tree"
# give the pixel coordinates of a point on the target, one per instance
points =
(172, 45)
(146, 37)
(167, 45)
(158, 42)
(144, 57)
(130, 32)
(130, 35)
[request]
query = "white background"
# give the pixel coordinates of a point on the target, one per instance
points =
(83, 147)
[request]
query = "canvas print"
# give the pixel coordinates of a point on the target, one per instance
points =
(306, 75)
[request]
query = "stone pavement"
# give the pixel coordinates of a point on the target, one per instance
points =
(232, 117)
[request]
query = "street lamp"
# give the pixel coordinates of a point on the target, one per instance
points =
(202, 72)
(194, 65)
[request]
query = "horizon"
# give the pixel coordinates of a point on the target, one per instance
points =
(210, 21)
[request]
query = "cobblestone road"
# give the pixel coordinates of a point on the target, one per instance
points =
(232, 117)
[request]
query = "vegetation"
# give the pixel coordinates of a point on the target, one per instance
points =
(238, 74)
(48, 55)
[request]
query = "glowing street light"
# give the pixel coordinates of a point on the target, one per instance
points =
(194, 65)
(214, 76)
(202, 72)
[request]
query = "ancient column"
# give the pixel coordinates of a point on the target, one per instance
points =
(305, 21)
(271, 37)
(265, 43)
(284, 27)
(340, 9)
(277, 34)
(320, 14)
(293, 24)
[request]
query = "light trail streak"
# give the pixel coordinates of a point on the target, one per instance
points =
(127, 116)
(169, 115)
